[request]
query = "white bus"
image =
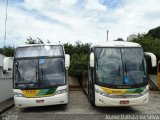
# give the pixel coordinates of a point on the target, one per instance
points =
(40, 74)
(118, 74)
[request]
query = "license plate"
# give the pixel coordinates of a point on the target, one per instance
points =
(124, 102)
(39, 101)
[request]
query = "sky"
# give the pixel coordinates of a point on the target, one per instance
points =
(76, 20)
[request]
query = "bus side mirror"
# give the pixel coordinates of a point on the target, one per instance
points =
(92, 59)
(67, 61)
(153, 58)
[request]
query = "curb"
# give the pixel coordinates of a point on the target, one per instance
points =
(6, 105)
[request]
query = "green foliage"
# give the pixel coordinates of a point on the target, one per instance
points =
(30, 40)
(155, 33)
(79, 65)
(77, 48)
(150, 42)
(7, 51)
(79, 58)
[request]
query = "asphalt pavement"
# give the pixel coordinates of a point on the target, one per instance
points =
(80, 109)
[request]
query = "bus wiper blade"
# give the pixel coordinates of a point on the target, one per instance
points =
(96, 64)
(22, 86)
(125, 69)
(45, 86)
(125, 77)
(57, 84)
(50, 86)
(36, 71)
(24, 82)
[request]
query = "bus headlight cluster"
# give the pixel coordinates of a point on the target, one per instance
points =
(18, 94)
(145, 91)
(102, 93)
(60, 91)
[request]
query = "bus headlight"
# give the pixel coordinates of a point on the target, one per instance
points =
(60, 91)
(101, 93)
(18, 94)
(145, 91)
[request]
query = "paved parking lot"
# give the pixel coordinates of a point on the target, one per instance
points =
(79, 109)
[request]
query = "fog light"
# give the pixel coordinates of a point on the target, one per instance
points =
(100, 100)
(145, 100)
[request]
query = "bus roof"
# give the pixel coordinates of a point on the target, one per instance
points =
(38, 50)
(30, 45)
(117, 44)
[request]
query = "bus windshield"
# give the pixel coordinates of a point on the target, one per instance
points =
(120, 67)
(39, 73)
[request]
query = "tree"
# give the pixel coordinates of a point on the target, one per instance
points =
(7, 51)
(30, 40)
(150, 42)
(79, 53)
(48, 42)
(40, 41)
(155, 33)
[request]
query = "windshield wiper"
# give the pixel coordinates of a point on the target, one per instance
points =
(36, 71)
(125, 68)
(49, 86)
(24, 85)
(96, 64)
(57, 84)
(126, 76)
(40, 63)
(143, 67)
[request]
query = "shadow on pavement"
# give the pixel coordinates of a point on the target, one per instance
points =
(116, 110)
(44, 109)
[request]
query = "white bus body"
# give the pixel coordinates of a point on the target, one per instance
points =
(118, 74)
(40, 74)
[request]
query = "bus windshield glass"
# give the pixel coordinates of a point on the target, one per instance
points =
(120, 67)
(39, 73)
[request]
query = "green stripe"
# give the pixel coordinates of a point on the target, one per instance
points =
(136, 90)
(49, 91)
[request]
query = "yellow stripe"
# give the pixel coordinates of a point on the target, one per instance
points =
(113, 91)
(30, 93)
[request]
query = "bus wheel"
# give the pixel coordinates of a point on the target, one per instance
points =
(92, 100)
(92, 103)
(91, 97)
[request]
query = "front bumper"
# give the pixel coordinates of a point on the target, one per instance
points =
(106, 101)
(51, 100)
